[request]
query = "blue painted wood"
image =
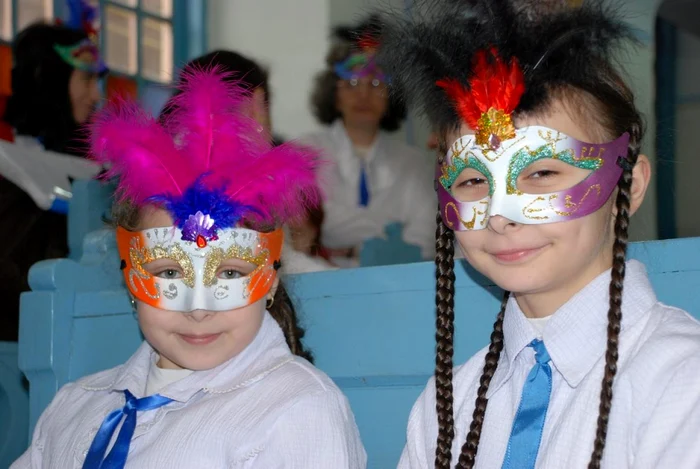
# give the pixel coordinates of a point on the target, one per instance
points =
(371, 329)
(390, 250)
(88, 211)
(14, 406)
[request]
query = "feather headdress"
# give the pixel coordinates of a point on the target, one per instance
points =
(459, 49)
(207, 164)
(85, 55)
(364, 41)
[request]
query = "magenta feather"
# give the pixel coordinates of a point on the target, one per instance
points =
(140, 152)
(208, 137)
(210, 114)
(282, 182)
(210, 120)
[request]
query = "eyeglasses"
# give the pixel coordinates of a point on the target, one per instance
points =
(375, 85)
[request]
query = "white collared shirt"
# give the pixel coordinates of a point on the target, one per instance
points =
(265, 409)
(400, 180)
(655, 417)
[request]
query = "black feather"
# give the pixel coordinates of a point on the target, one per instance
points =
(555, 45)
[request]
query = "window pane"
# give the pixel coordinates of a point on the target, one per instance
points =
(156, 50)
(163, 8)
(29, 11)
(6, 20)
(120, 39)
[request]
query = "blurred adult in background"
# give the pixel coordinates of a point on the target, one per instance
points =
(375, 180)
(302, 251)
(54, 91)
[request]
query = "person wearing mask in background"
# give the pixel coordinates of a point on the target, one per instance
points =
(54, 91)
(375, 180)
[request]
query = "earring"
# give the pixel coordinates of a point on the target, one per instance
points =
(133, 303)
(270, 302)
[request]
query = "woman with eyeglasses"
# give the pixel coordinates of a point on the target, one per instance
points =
(374, 180)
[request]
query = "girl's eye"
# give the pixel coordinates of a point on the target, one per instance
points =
(230, 274)
(545, 173)
(472, 182)
(169, 274)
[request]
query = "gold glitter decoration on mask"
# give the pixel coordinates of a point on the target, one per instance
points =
(143, 255)
(217, 255)
(211, 265)
(568, 203)
(528, 210)
(494, 127)
(141, 276)
(467, 224)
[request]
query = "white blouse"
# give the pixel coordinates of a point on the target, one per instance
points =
(655, 417)
(400, 180)
(263, 409)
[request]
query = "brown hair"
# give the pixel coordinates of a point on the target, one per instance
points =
(127, 215)
(612, 102)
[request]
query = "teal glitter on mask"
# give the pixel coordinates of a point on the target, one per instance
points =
(524, 158)
(451, 173)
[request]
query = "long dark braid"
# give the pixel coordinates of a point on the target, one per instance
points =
(444, 336)
(622, 204)
(282, 310)
(468, 455)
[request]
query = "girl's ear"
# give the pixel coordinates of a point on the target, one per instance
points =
(641, 174)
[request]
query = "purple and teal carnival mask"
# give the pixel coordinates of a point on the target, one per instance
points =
(361, 63)
(502, 166)
(500, 152)
(83, 55)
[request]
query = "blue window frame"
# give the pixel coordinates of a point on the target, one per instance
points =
(156, 37)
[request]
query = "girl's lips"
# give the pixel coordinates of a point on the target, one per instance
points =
(516, 255)
(199, 339)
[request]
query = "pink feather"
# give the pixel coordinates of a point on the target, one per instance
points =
(282, 181)
(140, 152)
(208, 132)
(210, 115)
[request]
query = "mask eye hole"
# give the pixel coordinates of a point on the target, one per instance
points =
(470, 186)
(231, 269)
(549, 175)
(164, 268)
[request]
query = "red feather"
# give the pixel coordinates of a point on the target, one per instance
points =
(494, 84)
(368, 43)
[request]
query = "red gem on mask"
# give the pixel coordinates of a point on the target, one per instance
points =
(201, 241)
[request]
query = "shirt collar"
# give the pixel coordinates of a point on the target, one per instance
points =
(343, 146)
(267, 352)
(576, 335)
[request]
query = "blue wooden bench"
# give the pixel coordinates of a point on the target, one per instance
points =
(370, 329)
(14, 406)
(90, 203)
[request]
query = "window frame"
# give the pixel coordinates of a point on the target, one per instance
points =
(188, 23)
(181, 33)
(57, 9)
